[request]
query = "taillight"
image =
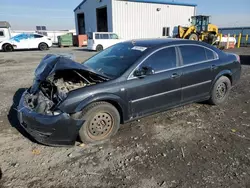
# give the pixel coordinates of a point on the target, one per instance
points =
(237, 57)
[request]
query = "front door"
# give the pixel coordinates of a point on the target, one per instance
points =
(199, 70)
(157, 91)
(21, 41)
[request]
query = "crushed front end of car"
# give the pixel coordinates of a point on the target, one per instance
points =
(38, 110)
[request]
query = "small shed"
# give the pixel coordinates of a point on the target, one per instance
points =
(133, 18)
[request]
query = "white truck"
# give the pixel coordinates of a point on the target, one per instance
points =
(5, 32)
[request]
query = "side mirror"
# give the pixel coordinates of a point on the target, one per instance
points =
(143, 72)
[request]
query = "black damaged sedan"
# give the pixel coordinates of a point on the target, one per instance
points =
(122, 83)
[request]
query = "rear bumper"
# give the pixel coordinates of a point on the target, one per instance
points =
(236, 76)
(49, 130)
(91, 47)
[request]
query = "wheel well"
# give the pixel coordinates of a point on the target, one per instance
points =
(229, 77)
(117, 106)
(212, 32)
(99, 45)
(5, 44)
(43, 43)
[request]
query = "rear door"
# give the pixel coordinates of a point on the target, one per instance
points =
(199, 66)
(91, 38)
(35, 40)
(159, 90)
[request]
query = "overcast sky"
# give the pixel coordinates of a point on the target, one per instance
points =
(58, 14)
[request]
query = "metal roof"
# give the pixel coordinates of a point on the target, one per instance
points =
(168, 2)
(4, 24)
(80, 5)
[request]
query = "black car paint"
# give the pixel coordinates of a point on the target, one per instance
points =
(138, 97)
(49, 130)
(51, 63)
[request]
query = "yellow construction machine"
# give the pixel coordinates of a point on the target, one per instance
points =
(200, 29)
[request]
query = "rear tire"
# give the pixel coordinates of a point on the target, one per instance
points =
(8, 48)
(43, 46)
(99, 48)
(102, 120)
(220, 91)
(211, 38)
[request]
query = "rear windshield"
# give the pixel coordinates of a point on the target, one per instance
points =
(114, 61)
(90, 36)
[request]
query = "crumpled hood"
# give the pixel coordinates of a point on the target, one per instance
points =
(52, 63)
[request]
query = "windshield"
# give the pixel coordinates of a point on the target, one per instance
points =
(114, 61)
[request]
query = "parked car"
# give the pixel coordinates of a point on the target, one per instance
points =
(99, 41)
(122, 83)
(26, 41)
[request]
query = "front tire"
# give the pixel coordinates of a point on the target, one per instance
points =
(8, 48)
(102, 122)
(43, 46)
(211, 38)
(193, 36)
(220, 91)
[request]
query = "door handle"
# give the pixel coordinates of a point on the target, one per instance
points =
(175, 75)
(213, 67)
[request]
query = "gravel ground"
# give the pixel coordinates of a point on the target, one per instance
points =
(192, 146)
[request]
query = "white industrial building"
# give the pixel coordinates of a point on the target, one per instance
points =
(132, 19)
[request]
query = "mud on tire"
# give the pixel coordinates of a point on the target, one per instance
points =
(220, 91)
(102, 122)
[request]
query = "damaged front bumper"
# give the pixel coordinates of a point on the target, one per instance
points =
(53, 130)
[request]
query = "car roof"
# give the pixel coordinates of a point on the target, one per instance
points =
(162, 42)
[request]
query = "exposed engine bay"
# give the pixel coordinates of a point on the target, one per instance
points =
(56, 87)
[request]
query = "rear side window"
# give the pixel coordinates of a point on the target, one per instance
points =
(101, 36)
(104, 36)
(90, 36)
(113, 36)
(210, 54)
(192, 54)
(162, 60)
(38, 36)
(97, 36)
(1, 34)
(35, 36)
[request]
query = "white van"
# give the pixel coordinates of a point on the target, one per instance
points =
(101, 40)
